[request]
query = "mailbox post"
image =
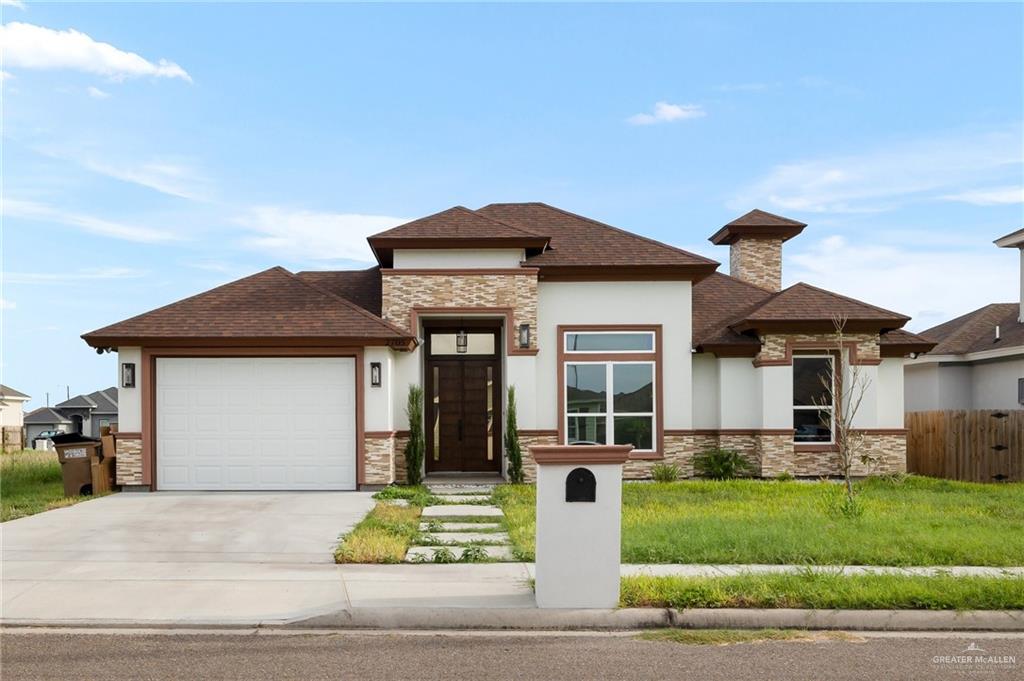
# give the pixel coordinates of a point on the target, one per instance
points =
(579, 525)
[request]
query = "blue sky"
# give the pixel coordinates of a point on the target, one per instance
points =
(202, 143)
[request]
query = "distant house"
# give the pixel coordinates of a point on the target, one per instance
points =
(86, 414)
(979, 360)
(12, 416)
(44, 420)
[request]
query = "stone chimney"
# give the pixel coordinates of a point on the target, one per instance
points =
(1016, 240)
(755, 246)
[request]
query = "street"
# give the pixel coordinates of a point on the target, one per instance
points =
(494, 656)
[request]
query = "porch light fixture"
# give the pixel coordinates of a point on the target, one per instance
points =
(128, 375)
(461, 342)
(375, 374)
(524, 335)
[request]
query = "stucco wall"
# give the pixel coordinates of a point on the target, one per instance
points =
(890, 394)
(451, 258)
(705, 391)
(987, 384)
(129, 400)
(995, 384)
(921, 387)
(377, 411)
(738, 394)
(12, 414)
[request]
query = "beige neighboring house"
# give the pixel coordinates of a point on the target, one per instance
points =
(978, 362)
(12, 417)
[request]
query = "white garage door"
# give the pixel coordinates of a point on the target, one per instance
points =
(227, 423)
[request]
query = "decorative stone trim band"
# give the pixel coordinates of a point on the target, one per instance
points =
(126, 436)
(379, 434)
(572, 454)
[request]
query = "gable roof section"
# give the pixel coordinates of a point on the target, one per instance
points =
(361, 287)
(809, 307)
(578, 244)
(717, 301)
(270, 305)
(44, 415)
(1011, 240)
(106, 400)
(77, 402)
(976, 331)
(9, 393)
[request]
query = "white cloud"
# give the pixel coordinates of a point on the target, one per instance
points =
(930, 285)
(888, 176)
(7, 304)
(5, 75)
(665, 113)
(97, 93)
(84, 274)
(308, 235)
(992, 196)
(37, 47)
(31, 210)
(13, 3)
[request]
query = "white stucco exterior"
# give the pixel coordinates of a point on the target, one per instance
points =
(452, 258)
(377, 412)
(985, 383)
(129, 400)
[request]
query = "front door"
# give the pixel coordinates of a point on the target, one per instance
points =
(463, 407)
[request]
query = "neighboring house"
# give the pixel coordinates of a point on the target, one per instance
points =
(85, 414)
(43, 420)
(979, 360)
(12, 415)
(300, 381)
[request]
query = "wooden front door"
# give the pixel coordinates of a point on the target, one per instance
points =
(463, 414)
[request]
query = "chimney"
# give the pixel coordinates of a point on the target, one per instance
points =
(755, 246)
(1016, 240)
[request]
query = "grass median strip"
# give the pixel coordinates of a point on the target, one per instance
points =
(30, 483)
(383, 536)
(907, 520)
(825, 591)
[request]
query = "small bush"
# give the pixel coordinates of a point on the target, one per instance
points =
(722, 464)
(474, 554)
(665, 472)
(443, 555)
(415, 446)
(512, 450)
(784, 476)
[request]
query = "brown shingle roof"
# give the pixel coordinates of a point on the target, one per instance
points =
(975, 331)
(273, 304)
(362, 287)
(457, 222)
(577, 241)
(899, 342)
(805, 303)
(757, 224)
(718, 301)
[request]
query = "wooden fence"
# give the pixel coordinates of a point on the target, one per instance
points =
(976, 445)
(13, 438)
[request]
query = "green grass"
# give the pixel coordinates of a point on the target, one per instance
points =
(383, 536)
(906, 521)
(719, 637)
(416, 495)
(30, 483)
(827, 591)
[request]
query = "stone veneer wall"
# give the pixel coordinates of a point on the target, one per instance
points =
(401, 472)
(403, 292)
(379, 460)
(773, 347)
(128, 465)
(757, 261)
(529, 439)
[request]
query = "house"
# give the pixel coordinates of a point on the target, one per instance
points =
(89, 414)
(978, 362)
(12, 414)
(44, 420)
(288, 380)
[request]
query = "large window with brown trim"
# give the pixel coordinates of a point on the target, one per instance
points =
(813, 389)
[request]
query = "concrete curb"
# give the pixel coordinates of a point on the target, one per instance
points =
(621, 619)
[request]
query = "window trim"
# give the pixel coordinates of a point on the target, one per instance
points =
(652, 334)
(605, 357)
(609, 412)
(831, 409)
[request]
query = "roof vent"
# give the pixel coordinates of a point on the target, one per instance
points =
(997, 333)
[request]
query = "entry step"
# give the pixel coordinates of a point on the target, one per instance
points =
(461, 527)
(461, 538)
(426, 553)
(463, 498)
(462, 511)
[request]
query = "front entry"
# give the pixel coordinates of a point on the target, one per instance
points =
(463, 399)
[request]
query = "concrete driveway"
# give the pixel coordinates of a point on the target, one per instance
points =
(179, 557)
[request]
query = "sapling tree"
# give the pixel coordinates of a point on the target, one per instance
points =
(415, 446)
(512, 449)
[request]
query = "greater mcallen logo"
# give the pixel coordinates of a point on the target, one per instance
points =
(976, 658)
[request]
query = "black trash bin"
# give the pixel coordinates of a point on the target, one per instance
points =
(75, 453)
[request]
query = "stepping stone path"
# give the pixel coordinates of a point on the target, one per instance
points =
(465, 520)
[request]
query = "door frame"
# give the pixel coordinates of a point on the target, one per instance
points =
(494, 326)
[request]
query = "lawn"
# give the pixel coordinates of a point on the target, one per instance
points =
(827, 591)
(30, 483)
(905, 521)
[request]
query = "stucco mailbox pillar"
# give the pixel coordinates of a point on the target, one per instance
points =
(579, 525)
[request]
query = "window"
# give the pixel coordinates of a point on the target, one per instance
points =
(610, 341)
(610, 403)
(813, 383)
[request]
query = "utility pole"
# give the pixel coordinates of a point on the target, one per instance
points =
(47, 399)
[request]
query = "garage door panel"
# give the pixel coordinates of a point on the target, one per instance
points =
(256, 423)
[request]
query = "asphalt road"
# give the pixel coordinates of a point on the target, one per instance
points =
(490, 656)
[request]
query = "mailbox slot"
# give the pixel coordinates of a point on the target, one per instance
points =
(580, 485)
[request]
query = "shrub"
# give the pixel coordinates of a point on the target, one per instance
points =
(415, 446)
(474, 554)
(784, 476)
(512, 450)
(665, 472)
(722, 464)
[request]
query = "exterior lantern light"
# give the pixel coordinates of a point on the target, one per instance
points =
(375, 374)
(461, 342)
(128, 375)
(524, 335)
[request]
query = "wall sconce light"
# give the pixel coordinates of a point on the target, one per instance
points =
(524, 335)
(128, 375)
(461, 342)
(375, 374)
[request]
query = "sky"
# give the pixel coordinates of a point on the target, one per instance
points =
(153, 151)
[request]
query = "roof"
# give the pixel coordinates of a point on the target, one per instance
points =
(44, 415)
(77, 402)
(975, 331)
(106, 400)
(362, 287)
(758, 224)
(577, 243)
(9, 393)
(802, 303)
(270, 305)
(1011, 240)
(717, 301)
